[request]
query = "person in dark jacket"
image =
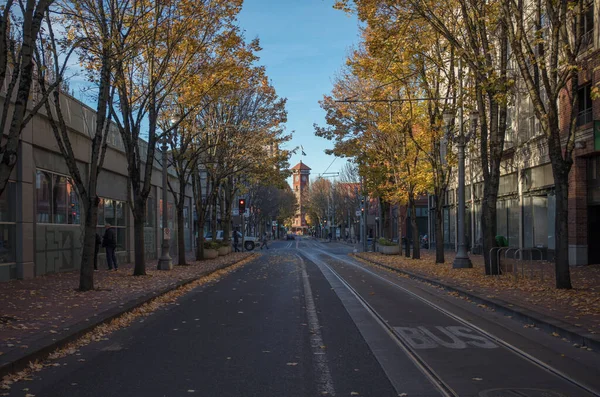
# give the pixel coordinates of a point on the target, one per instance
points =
(96, 250)
(236, 240)
(109, 241)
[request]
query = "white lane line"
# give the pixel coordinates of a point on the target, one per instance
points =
(321, 365)
(394, 375)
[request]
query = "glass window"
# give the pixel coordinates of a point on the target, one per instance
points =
(43, 196)
(501, 219)
(550, 225)
(109, 212)
(7, 203)
(540, 214)
(7, 243)
(56, 199)
(584, 115)
(528, 222)
(120, 232)
(513, 222)
(120, 213)
(74, 215)
(150, 212)
(101, 212)
(59, 199)
(170, 213)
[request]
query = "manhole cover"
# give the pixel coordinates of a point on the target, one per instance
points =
(520, 393)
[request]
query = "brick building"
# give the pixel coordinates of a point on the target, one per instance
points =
(584, 179)
(526, 201)
(300, 183)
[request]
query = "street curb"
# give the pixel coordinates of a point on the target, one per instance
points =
(548, 324)
(38, 350)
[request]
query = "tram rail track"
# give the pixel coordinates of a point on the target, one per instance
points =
(436, 379)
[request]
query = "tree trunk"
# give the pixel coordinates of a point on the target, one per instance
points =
(399, 229)
(226, 220)
(138, 238)
(561, 258)
(200, 238)
(86, 272)
(439, 232)
(213, 210)
(415, 229)
(180, 236)
(488, 226)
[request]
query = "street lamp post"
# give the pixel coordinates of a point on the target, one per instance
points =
(164, 262)
(462, 259)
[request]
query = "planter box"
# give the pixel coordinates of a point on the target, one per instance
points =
(389, 249)
(224, 251)
(210, 254)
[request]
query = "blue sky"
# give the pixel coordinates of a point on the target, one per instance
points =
(305, 42)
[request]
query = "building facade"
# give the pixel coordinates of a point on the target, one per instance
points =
(300, 184)
(526, 200)
(41, 219)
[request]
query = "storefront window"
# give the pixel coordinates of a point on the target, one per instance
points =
(7, 224)
(170, 213)
(114, 213)
(513, 222)
(501, 219)
(109, 212)
(150, 212)
(7, 243)
(7, 203)
(43, 195)
(74, 207)
(120, 213)
(59, 199)
(101, 212)
(56, 199)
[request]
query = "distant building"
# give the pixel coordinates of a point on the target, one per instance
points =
(301, 173)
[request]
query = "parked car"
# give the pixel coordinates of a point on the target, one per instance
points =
(249, 242)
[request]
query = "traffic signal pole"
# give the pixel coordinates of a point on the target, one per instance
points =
(242, 212)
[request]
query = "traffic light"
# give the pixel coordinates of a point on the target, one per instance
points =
(242, 205)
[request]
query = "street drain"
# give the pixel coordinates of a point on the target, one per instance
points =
(520, 393)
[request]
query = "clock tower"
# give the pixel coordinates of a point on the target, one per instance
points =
(300, 175)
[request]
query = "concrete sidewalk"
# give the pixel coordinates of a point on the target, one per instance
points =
(45, 313)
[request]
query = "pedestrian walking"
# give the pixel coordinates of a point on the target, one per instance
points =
(264, 241)
(109, 242)
(96, 250)
(236, 240)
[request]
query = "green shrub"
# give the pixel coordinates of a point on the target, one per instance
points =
(384, 241)
(211, 245)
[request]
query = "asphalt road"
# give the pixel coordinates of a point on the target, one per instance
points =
(304, 319)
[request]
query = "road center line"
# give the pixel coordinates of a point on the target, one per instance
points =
(321, 365)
